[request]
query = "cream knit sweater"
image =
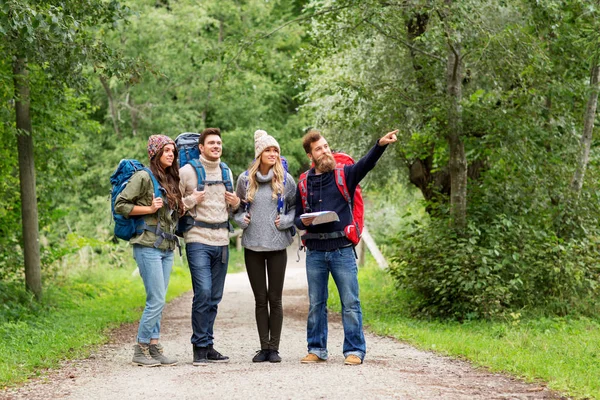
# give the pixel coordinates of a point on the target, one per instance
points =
(213, 209)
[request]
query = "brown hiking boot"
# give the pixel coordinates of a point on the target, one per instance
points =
(156, 352)
(311, 359)
(352, 360)
(142, 357)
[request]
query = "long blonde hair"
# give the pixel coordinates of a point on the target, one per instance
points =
(276, 182)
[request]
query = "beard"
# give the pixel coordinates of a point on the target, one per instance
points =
(325, 163)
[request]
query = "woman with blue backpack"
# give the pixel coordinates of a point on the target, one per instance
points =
(266, 216)
(154, 240)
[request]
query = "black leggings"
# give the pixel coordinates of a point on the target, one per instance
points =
(262, 266)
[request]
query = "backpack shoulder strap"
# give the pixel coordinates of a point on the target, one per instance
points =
(303, 190)
(340, 182)
(155, 184)
(246, 183)
(200, 173)
(227, 177)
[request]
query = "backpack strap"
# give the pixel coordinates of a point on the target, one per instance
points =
(340, 182)
(227, 177)
(200, 173)
(280, 196)
(245, 203)
(303, 190)
(157, 188)
(143, 226)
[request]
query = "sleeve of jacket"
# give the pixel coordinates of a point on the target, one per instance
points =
(135, 193)
(287, 218)
(355, 173)
(240, 190)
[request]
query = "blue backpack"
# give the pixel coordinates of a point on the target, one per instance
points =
(187, 221)
(187, 147)
(189, 153)
(226, 176)
(126, 228)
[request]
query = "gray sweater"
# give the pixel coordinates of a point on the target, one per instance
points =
(261, 234)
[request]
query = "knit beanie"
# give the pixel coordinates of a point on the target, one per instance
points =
(157, 142)
(262, 140)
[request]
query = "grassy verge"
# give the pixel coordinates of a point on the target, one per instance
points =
(76, 314)
(563, 352)
(236, 261)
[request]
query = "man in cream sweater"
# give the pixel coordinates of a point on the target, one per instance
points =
(207, 242)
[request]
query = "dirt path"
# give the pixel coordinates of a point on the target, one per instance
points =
(391, 370)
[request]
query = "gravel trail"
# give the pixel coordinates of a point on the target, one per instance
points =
(392, 370)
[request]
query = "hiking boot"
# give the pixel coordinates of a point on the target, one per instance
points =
(312, 359)
(200, 356)
(142, 357)
(261, 356)
(214, 356)
(352, 360)
(274, 356)
(156, 352)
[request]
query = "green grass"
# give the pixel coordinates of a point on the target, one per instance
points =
(76, 314)
(236, 261)
(79, 308)
(564, 352)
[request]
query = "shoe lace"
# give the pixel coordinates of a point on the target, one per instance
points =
(159, 348)
(145, 350)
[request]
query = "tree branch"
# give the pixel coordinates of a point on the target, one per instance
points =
(405, 43)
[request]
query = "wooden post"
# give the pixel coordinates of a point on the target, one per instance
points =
(372, 246)
(360, 253)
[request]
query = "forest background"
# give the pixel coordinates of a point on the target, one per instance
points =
(487, 207)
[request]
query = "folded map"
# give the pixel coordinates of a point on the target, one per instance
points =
(321, 217)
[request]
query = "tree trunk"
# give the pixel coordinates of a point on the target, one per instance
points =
(133, 112)
(458, 160)
(111, 105)
(588, 128)
(29, 211)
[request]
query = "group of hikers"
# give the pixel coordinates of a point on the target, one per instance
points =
(268, 205)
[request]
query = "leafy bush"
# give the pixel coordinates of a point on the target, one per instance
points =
(504, 264)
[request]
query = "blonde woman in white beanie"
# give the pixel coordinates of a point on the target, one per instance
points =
(267, 217)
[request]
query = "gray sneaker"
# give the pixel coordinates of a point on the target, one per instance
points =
(142, 357)
(156, 352)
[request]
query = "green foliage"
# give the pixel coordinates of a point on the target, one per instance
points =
(492, 268)
(374, 65)
(61, 123)
(74, 316)
(215, 63)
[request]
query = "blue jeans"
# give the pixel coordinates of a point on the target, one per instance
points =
(208, 267)
(342, 266)
(155, 269)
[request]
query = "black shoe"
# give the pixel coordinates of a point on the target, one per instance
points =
(274, 356)
(214, 356)
(200, 355)
(261, 355)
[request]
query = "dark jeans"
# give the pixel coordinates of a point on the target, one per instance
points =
(266, 272)
(208, 267)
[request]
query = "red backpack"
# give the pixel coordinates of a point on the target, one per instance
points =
(357, 205)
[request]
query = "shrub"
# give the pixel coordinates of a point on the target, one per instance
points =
(504, 264)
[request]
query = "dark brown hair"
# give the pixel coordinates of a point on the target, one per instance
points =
(307, 140)
(206, 132)
(169, 179)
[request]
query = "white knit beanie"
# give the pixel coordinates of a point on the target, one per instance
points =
(262, 140)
